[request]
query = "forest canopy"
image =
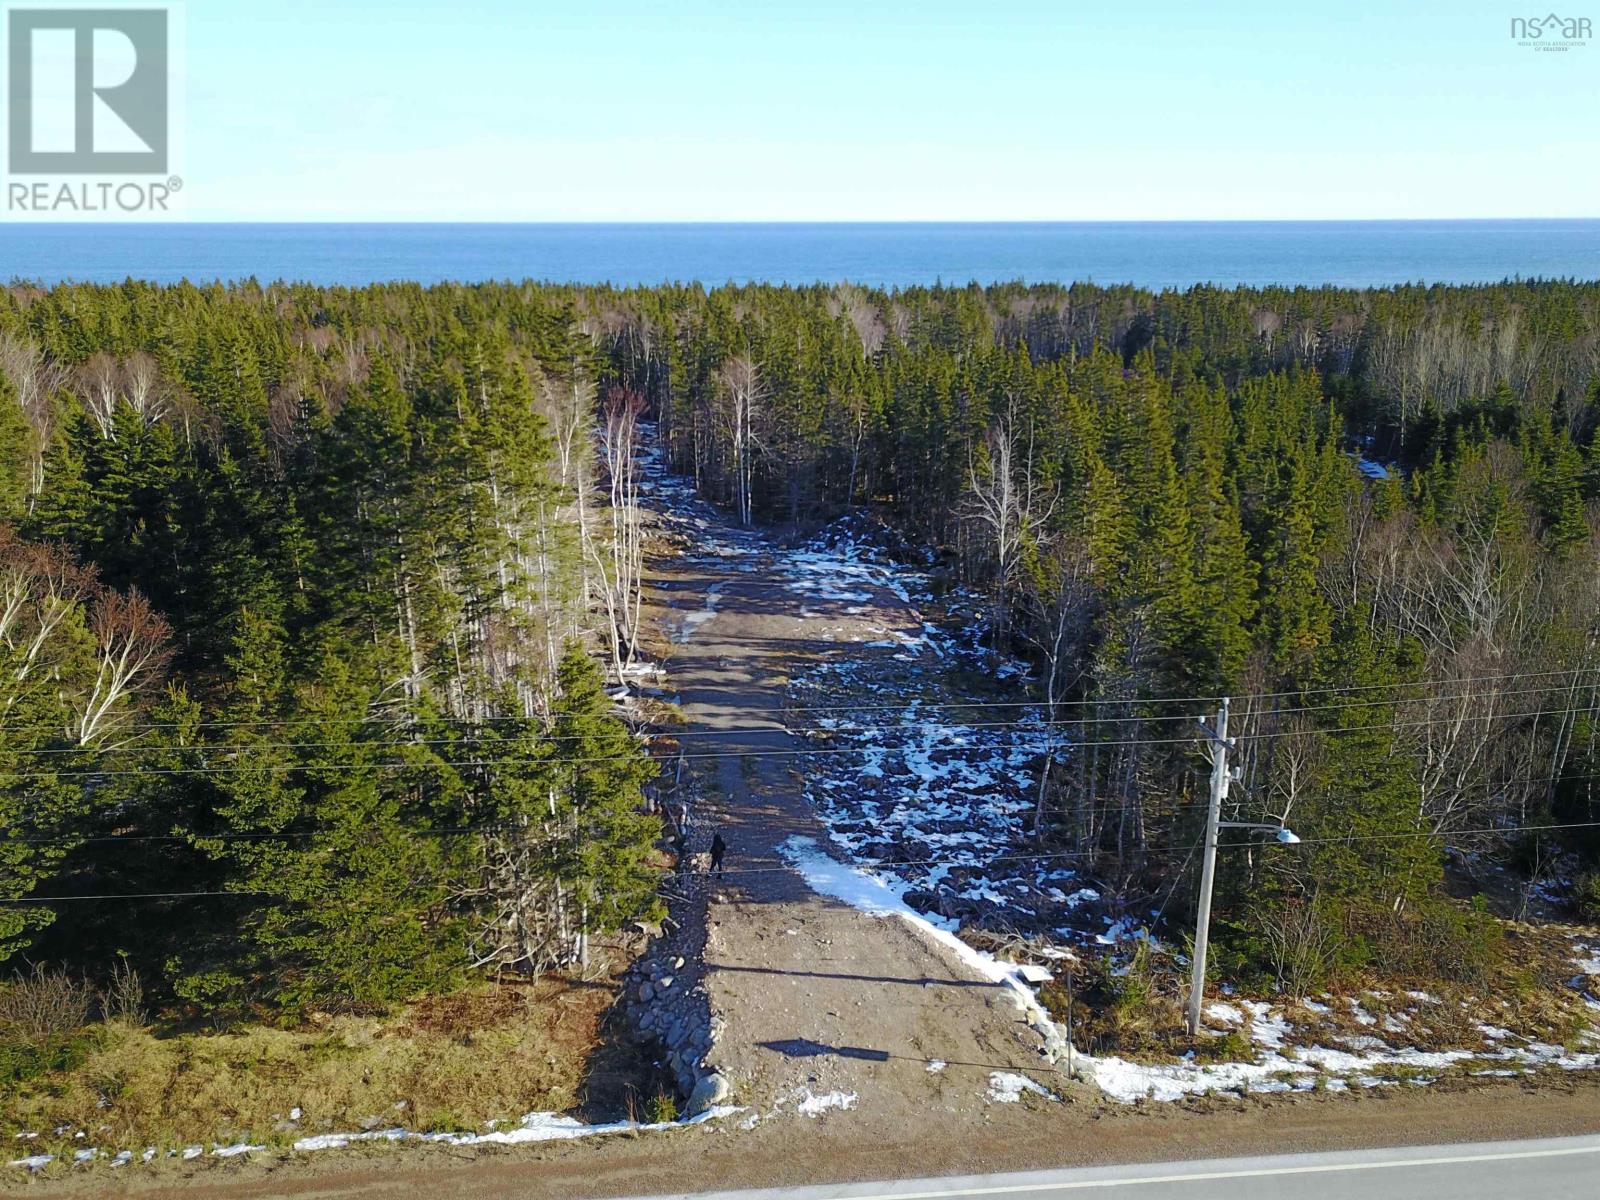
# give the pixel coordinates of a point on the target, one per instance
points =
(306, 604)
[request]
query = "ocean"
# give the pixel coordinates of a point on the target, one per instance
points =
(1148, 254)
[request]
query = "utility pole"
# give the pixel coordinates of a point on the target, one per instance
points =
(1208, 864)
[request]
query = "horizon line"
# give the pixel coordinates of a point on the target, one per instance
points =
(798, 222)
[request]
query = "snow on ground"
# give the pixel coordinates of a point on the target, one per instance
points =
(1006, 1087)
(814, 1106)
(533, 1127)
(931, 809)
(673, 509)
(1276, 1071)
(939, 792)
(1224, 1014)
(929, 813)
(1288, 1059)
(673, 503)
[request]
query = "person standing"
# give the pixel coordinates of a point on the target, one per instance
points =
(719, 850)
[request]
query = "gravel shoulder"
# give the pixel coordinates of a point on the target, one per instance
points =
(844, 1147)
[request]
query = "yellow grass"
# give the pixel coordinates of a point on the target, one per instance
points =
(452, 1062)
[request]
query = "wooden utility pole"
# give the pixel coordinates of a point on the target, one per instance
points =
(1208, 864)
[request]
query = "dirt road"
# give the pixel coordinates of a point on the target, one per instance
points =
(823, 1006)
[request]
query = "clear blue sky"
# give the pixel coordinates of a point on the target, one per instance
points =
(881, 110)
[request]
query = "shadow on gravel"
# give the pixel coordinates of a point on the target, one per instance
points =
(807, 1048)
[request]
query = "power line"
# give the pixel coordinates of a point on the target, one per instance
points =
(1204, 699)
(926, 862)
(457, 830)
(754, 752)
(964, 704)
(1030, 722)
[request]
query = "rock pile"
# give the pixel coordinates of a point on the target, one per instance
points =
(667, 1002)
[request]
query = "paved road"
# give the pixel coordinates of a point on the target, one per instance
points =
(1549, 1169)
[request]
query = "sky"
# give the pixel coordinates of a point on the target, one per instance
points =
(696, 110)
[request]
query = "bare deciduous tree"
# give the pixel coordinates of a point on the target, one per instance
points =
(621, 563)
(131, 649)
(34, 378)
(1002, 501)
(742, 396)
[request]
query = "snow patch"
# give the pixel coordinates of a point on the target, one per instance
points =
(814, 1106)
(534, 1127)
(1224, 1014)
(1006, 1087)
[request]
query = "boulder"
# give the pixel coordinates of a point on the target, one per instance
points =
(709, 1091)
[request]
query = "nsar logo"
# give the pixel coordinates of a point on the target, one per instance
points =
(1551, 32)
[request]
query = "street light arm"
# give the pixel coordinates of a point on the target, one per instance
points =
(1282, 832)
(1265, 828)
